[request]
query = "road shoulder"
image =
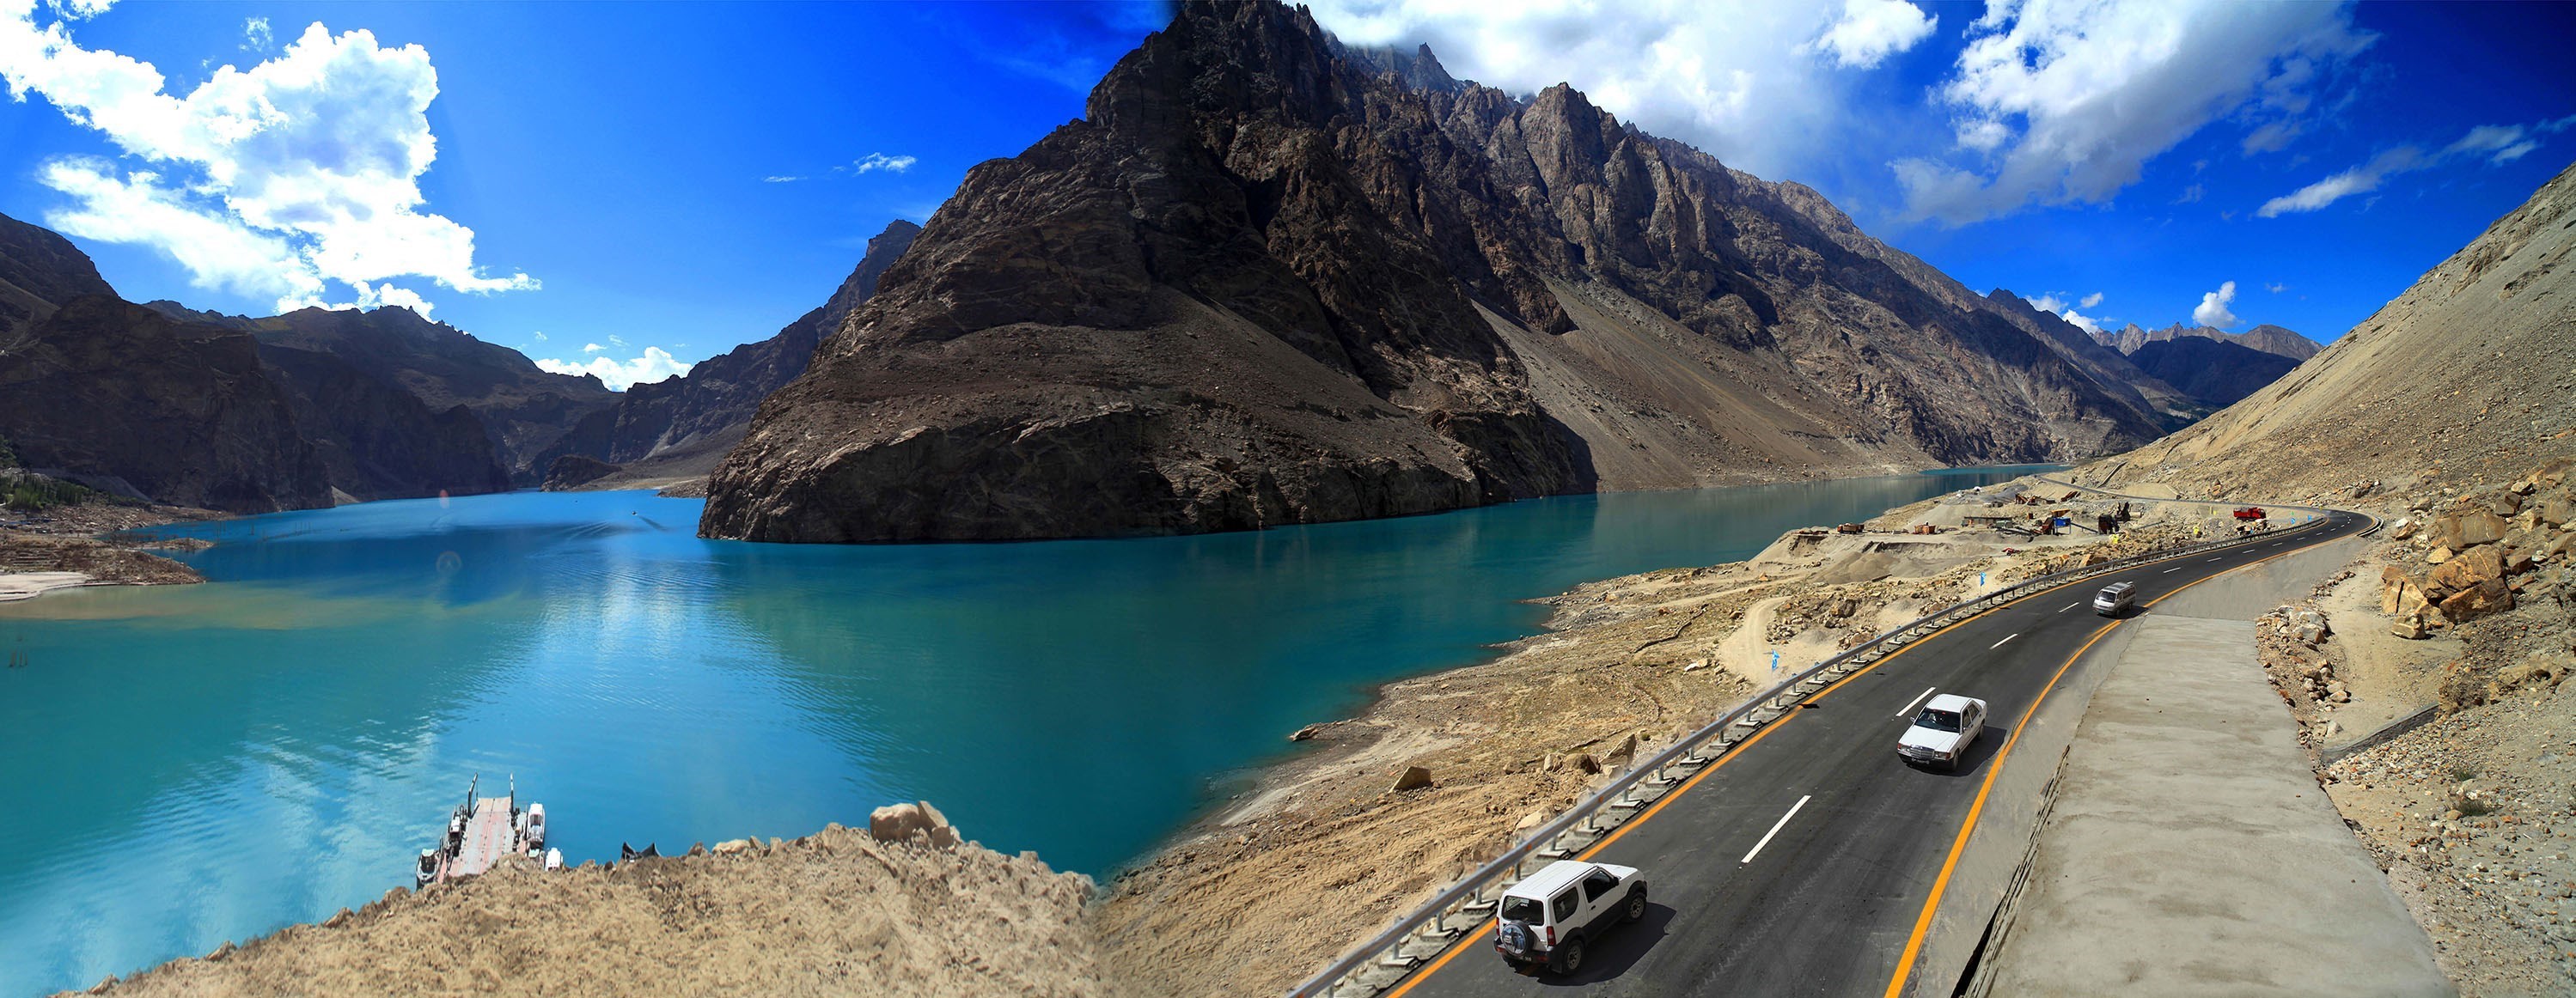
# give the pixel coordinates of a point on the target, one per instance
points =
(2190, 850)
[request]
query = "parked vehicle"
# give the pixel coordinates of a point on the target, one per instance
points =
(1550, 916)
(1941, 734)
(2116, 599)
(2251, 513)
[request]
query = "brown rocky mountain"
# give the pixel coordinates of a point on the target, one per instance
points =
(147, 404)
(2469, 376)
(1267, 279)
(2170, 406)
(2267, 338)
(378, 441)
(682, 426)
(523, 409)
(2214, 372)
(127, 400)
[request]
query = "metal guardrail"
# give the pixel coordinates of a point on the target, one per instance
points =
(1435, 925)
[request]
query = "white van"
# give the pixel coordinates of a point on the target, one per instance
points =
(2116, 599)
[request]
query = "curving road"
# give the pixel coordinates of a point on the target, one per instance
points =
(1836, 901)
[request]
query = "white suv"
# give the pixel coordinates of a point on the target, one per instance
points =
(1941, 734)
(1547, 917)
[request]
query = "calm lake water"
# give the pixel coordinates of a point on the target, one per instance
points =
(187, 765)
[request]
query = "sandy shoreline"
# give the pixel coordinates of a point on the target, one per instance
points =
(67, 547)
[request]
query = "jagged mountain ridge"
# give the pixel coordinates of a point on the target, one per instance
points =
(2267, 338)
(524, 409)
(2215, 372)
(1269, 280)
(684, 425)
(127, 400)
(2466, 377)
(145, 403)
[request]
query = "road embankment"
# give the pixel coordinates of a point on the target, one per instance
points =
(2188, 847)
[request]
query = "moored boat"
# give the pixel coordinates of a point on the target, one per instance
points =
(481, 832)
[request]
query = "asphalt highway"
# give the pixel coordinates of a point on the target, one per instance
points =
(1833, 903)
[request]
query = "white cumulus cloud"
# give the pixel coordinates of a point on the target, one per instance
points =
(654, 365)
(1871, 30)
(2067, 311)
(2496, 144)
(255, 35)
(881, 161)
(2212, 310)
(1756, 83)
(283, 180)
(2064, 102)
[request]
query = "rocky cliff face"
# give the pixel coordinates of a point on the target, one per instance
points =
(377, 441)
(123, 398)
(2465, 378)
(523, 409)
(1268, 279)
(151, 402)
(39, 271)
(2266, 338)
(684, 425)
(2158, 400)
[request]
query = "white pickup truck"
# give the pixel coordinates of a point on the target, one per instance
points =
(1548, 917)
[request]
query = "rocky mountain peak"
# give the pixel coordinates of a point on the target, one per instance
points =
(1418, 70)
(1270, 279)
(40, 271)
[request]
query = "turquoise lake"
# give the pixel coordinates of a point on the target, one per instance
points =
(192, 764)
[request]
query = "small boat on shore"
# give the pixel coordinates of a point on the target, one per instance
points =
(481, 832)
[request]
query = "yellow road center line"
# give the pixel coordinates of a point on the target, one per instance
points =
(1994, 768)
(1923, 921)
(1642, 817)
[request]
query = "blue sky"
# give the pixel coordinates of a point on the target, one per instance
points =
(601, 175)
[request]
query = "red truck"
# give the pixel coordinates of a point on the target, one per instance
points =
(2250, 513)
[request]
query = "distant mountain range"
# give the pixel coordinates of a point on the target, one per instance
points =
(521, 408)
(681, 427)
(179, 405)
(2266, 338)
(2464, 379)
(1268, 278)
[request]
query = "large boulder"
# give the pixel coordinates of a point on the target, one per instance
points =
(2557, 511)
(2489, 596)
(2476, 567)
(2467, 529)
(917, 823)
